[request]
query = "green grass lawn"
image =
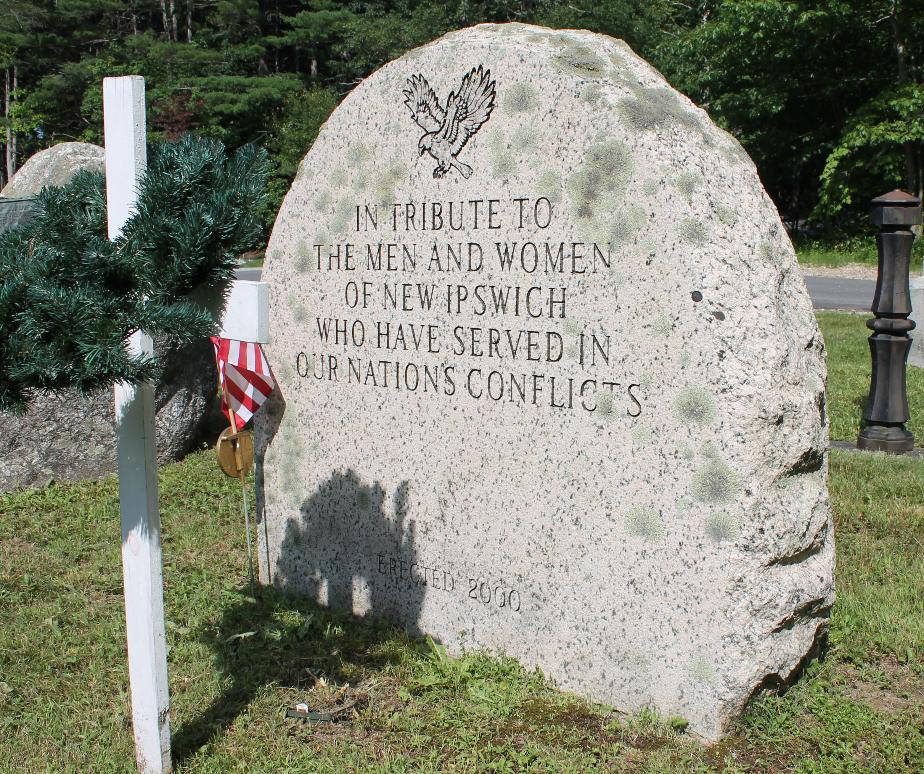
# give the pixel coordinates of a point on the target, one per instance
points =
(819, 254)
(398, 704)
(853, 251)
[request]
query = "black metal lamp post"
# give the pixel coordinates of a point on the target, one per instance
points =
(887, 407)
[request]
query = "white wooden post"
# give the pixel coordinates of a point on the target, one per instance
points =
(126, 158)
(246, 313)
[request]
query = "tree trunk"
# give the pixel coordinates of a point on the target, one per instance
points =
(920, 165)
(899, 43)
(173, 21)
(163, 13)
(13, 134)
(189, 21)
(10, 137)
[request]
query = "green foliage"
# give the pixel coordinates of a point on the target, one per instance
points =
(303, 112)
(871, 149)
(70, 298)
(802, 85)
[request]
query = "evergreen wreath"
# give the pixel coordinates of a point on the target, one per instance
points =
(70, 298)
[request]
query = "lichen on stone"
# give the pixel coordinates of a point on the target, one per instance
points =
(343, 213)
(503, 165)
(657, 108)
(734, 151)
(626, 224)
(521, 97)
(721, 527)
(694, 405)
(617, 59)
(693, 231)
(304, 257)
(303, 264)
(688, 182)
(641, 435)
(579, 60)
(358, 183)
(766, 252)
(322, 200)
(285, 370)
(726, 215)
(591, 94)
(356, 155)
(709, 451)
(606, 170)
(338, 177)
(291, 452)
(662, 326)
(549, 185)
(715, 482)
(298, 309)
(605, 403)
(644, 523)
(385, 181)
(701, 671)
(525, 136)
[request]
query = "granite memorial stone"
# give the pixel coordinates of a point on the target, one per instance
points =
(550, 381)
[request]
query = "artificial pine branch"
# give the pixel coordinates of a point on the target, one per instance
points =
(70, 298)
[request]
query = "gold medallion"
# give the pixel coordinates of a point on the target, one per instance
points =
(235, 452)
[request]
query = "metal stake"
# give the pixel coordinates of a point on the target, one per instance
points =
(243, 474)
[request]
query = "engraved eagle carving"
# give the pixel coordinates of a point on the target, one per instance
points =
(446, 130)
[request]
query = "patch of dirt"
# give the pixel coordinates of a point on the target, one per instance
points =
(339, 712)
(17, 545)
(735, 750)
(896, 689)
(12, 551)
(848, 271)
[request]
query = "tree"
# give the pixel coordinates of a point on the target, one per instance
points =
(17, 22)
(882, 144)
(291, 136)
(790, 79)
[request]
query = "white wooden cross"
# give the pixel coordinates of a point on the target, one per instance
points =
(245, 318)
(126, 159)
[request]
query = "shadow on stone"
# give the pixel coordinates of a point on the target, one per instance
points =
(353, 548)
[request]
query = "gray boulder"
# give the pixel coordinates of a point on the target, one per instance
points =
(66, 437)
(53, 166)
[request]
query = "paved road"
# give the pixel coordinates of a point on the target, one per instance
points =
(251, 275)
(840, 292)
(826, 292)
